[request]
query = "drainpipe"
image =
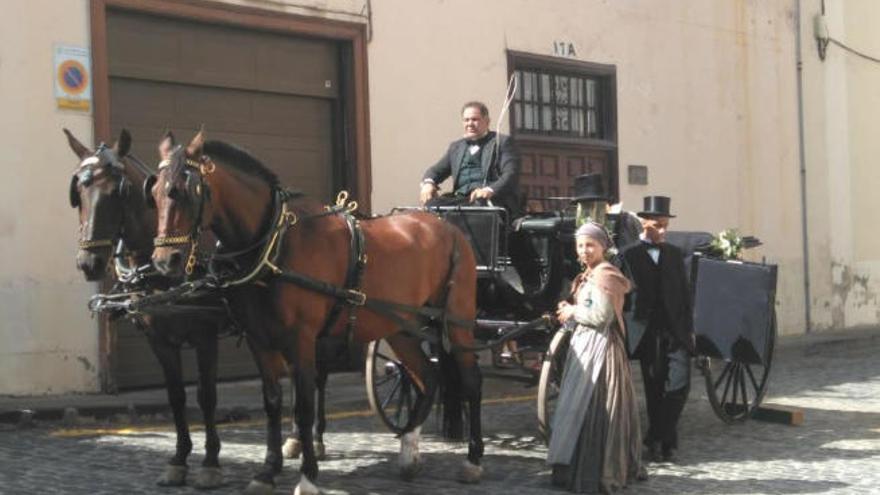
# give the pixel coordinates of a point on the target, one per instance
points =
(803, 165)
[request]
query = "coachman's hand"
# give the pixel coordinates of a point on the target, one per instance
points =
(428, 192)
(481, 193)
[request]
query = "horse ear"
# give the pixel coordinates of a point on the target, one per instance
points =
(123, 144)
(149, 182)
(197, 143)
(166, 144)
(74, 191)
(81, 151)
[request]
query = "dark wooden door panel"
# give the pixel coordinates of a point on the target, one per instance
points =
(550, 171)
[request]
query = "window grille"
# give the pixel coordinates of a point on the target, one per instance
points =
(557, 104)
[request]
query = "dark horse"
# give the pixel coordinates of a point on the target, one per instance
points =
(107, 190)
(413, 259)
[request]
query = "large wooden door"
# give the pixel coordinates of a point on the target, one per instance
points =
(276, 96)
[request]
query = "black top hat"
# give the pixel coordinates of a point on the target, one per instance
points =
(589, 187)
(656, 206)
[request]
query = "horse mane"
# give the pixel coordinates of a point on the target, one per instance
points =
(240, 159)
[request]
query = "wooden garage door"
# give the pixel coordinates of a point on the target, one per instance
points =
(274, 95)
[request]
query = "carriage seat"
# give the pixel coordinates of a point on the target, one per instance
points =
(485, 228)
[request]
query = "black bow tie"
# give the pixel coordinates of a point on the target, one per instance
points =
(650, 245)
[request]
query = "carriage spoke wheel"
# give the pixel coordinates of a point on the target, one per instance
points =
(390, 390)
(550, 381)
(736, 388)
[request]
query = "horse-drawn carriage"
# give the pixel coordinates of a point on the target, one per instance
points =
(519, 274)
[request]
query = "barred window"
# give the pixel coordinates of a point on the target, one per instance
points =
(558, 104)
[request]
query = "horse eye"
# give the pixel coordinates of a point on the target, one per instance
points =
(171, 191)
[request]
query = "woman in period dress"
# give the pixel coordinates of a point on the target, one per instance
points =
(595, 445)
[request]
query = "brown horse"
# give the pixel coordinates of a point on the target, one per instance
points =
(413, 259)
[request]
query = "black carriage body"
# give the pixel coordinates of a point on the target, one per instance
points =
(485, 228)
(733, 309)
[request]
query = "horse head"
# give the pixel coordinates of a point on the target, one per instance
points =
(180, 194)
(98, 189)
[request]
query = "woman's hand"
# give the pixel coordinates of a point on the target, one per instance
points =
(564, 311)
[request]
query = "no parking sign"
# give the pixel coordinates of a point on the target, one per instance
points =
(73, 79)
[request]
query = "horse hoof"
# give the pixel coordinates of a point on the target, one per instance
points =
(173, 476)
(256, 487)
(209, 477)
(305, 487)
(292, 448)
(471, 473)
(320, 451)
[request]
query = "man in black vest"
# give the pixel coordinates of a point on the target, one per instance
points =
(660, 326)
(483, 166)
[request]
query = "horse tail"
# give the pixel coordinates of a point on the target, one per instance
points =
(460, 302)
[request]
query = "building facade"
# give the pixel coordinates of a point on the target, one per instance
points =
(691, 99)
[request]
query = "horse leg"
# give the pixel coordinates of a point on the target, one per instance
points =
(321, 385)
(471, 381)
(210, 476)
(292, 448)
(304, 412)
(169, 358)
(417, 366)
(271, 366)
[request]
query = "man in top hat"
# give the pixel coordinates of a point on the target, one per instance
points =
(660, 326)
(594, 205)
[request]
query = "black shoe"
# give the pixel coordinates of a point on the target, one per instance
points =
(670, 455)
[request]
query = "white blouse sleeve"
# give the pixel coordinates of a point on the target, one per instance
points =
(595, 312)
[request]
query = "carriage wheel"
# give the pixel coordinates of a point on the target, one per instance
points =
(551, 380)
(389, 388)
(736, 388)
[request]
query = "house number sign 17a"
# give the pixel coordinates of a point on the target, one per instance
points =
(563, 49)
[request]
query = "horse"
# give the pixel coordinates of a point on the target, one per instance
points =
(106, 189)
(410, 260)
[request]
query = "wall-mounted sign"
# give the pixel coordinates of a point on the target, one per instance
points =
(637, 175)
(564, 49)
(73, 78)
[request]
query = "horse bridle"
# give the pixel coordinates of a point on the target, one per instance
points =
(85, 177)
(204, 167)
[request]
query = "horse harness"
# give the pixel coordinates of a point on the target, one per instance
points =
(349, 296)
(266, 267)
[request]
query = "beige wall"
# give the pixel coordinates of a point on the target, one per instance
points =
(48, 342)
(705, 94)
(841, 105)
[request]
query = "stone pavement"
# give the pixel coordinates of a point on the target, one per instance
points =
(837, 450)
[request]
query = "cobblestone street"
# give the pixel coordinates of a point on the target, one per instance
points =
(836, 450)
